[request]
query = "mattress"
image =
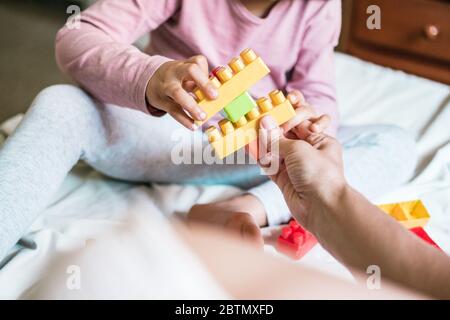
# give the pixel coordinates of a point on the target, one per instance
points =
(88, 202)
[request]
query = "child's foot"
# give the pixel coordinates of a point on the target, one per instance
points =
(238, 215)
(244, 225)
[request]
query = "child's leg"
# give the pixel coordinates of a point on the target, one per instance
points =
(63, 125)
(39, 154)
(377, 158)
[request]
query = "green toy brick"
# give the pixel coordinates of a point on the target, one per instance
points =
(239, 107)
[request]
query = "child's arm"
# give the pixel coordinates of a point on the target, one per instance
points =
(100, 55)
(314, 72)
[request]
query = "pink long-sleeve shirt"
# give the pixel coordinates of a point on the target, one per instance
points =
(296, 40)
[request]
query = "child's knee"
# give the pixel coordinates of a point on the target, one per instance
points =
(400, 148)
(60, 92)
(62, 101)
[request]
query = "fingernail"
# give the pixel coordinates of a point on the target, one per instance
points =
(212, 92)
(293, 98)
(202, 115)
(265, 160)
(268, 123)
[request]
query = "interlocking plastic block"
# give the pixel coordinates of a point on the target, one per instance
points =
(235, 136)
(411, 214)
(231, 81)
(239, 107)
(295, 241)
(215, 71)
(424, 236)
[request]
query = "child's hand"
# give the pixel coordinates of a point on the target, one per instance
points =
(306, 122)
(169, 88)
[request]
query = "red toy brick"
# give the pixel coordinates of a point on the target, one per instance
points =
(424, 236)
(295, 241)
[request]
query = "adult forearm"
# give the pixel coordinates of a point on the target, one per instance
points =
(359, 234)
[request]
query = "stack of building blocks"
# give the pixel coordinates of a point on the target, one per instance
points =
(295, 241)
(411, 214)
(239, 107)
(243, 113)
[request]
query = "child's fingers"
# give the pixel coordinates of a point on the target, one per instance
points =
(301, 114)
(296, 98)
(320, 124)
(187, 102)
(195, 69)
(180, 116)
(189, 85)
(201, 61)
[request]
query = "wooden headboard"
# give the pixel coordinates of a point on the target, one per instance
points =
(414, 35)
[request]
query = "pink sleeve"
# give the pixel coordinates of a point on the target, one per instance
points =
(314, 72)
(100, 56)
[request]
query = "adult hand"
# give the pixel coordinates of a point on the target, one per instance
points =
(354, 231)
(307, 169)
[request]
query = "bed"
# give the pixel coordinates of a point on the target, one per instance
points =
(88, 202)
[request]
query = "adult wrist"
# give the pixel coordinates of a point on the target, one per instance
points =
(324, 208)
(333, 193)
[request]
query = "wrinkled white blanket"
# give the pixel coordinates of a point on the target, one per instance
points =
(88, 203)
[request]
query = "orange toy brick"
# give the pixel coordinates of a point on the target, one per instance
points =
(410, 214)
(295, 241)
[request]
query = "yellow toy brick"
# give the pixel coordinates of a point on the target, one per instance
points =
(411, 214)
(231, 81)
(235, 136)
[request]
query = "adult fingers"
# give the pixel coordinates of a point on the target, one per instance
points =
(326, 144)
(277, 145)
(315, 139)
(302, 131)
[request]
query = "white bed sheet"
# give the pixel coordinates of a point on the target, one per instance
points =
(88, 203)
